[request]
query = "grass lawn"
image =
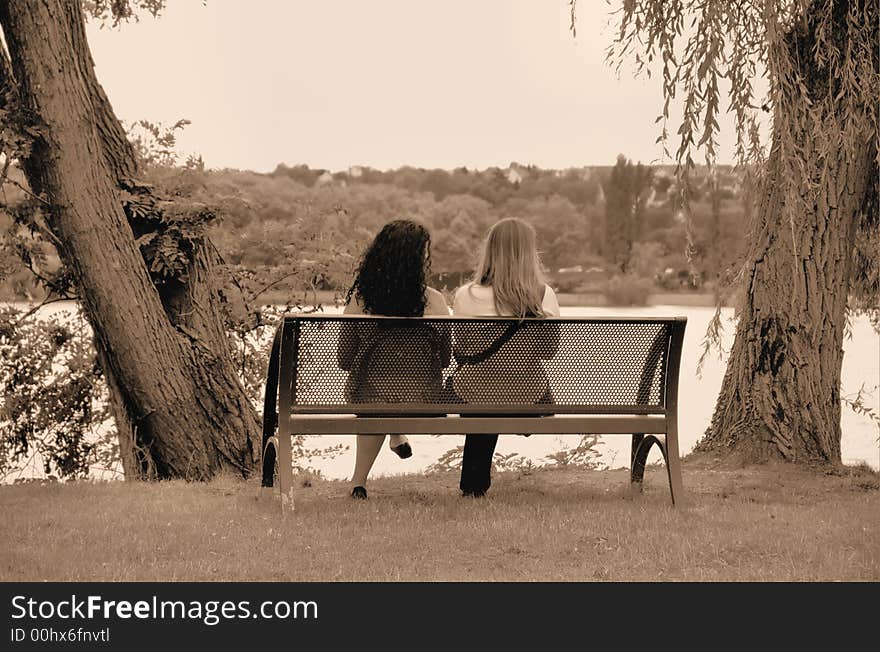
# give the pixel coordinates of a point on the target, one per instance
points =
(774, 522)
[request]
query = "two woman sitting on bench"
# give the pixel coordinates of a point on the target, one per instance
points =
(391, 281)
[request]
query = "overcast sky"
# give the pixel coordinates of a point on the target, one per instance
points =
(384, 83)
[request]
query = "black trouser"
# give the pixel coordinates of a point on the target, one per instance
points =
(476, 462)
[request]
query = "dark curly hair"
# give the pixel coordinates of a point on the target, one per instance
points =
(391, 278)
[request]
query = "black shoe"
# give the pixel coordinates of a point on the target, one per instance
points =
(403, 450)
(473, 493)
(359, 492)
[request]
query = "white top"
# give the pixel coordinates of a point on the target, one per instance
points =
(475, 300)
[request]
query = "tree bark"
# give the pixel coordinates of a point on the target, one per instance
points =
(180, 409)
(780, 397)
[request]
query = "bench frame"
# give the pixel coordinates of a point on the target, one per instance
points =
(647, 425)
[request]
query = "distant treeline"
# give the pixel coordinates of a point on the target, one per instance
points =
(298, 227)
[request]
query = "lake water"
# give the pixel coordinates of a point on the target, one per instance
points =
(697, 396)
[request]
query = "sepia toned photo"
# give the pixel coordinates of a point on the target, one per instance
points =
(449, 292)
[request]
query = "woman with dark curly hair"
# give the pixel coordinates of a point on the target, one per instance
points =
(391, 363)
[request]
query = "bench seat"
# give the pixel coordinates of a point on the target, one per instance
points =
(568, 424)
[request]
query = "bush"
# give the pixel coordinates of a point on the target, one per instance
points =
(627, 290)
(568, 283)
(54, 403)
(585, 455)
(54, 413)
(646, 259)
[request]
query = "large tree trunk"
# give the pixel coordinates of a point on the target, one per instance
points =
(180, 409)
(780, 397)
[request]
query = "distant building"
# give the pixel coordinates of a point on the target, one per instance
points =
(652, 199)
(324, 179)
(513, 177)
(355, 171)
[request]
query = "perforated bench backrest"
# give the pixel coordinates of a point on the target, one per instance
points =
(600, 365)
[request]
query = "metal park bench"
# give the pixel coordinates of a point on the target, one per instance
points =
(607, 376)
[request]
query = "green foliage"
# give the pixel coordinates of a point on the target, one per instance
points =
(859, 403)
(169, 233)
(54, 413)
(865, 297)
(513, 462)
(583, 455)
(54, 410)
(818, 62)
(165, 212)
(155, 145)
(448, 461)
(119, 11)
(280, 222)
(19, 126)
(627, 290)
(24, 237)
(712, 339)
(625, 198)
(27, 261)
(168, 211)
(283, 240)
(646, 260)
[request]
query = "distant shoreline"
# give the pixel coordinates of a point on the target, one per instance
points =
(699, 299)
(566, 299)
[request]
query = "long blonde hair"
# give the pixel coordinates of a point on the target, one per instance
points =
(509, 264)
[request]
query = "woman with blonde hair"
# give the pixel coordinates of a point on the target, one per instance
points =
(508, 282)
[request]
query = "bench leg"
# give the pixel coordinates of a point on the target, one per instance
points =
(641, 446)
(673, 464)
(669, 448)
(270, 466)
(270, 462)
(285, 469)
